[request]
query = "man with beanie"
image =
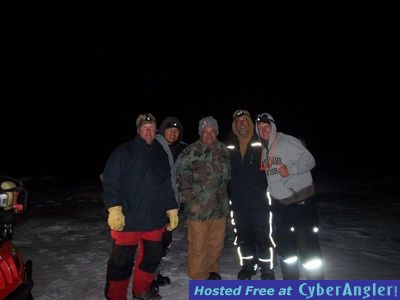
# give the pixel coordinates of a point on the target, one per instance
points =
(139, 197)
(287, 165)
(172, 130)
(251, 214)
(203, 173)
(170, 137)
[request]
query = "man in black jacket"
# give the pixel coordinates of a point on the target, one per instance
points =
(170, 137)
(251, 214)
(139, 197)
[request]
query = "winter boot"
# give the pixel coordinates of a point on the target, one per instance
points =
(147, 295)
(290, 271)
(163, 280)
(267, 274)
(246, 273)
(214, 276)
(154, 286)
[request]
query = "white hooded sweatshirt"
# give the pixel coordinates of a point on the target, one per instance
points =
(288, 150)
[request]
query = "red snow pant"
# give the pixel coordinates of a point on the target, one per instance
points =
(122, 261)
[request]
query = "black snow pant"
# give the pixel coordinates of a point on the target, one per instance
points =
(253, 239)
(141, 253)
(166, 241)
(296, 237)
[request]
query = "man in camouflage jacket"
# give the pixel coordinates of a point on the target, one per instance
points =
(203, 174)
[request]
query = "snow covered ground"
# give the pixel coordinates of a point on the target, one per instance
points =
(65, 234)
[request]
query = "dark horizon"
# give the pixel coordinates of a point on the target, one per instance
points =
(77, 79)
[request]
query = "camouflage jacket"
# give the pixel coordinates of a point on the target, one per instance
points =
(203, 175)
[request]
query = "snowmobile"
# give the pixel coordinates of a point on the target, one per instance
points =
(15, 276)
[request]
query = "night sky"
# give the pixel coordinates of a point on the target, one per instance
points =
(76, 75)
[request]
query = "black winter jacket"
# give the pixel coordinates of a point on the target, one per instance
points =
(248, 185)
(137, 177)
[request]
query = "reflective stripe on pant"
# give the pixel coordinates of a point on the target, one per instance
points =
(253, 231)
(122, 257)
(205, 244)
(295, 236)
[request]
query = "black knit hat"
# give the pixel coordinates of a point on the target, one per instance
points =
(265, 118)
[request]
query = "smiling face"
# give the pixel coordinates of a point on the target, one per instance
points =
(171, 135)
(147, 131)
(242, 125)
(264, 130)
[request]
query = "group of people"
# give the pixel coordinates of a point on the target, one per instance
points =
(260, 176)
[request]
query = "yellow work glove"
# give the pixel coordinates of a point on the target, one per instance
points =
(116, 219)
(173, 219)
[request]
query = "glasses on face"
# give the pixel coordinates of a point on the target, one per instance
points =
(264, 118)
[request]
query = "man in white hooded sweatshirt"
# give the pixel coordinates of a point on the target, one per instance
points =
(288, 164)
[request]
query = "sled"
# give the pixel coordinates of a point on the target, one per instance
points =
(15, 276)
